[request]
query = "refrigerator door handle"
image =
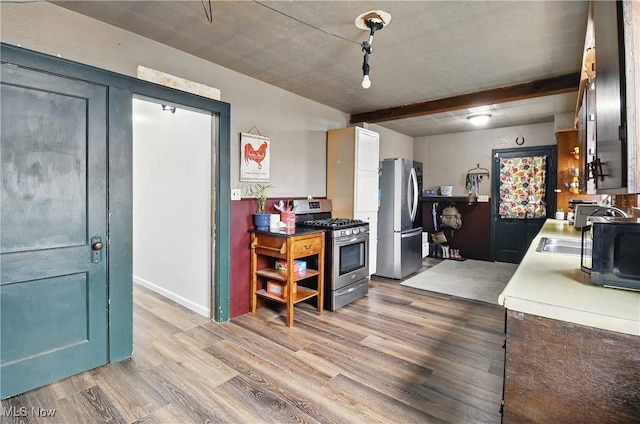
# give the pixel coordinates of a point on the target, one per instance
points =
(413, 233)
(413, 184)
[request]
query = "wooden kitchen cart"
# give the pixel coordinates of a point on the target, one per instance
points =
(301, 243)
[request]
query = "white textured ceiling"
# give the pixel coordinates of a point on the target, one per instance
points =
(430, 50)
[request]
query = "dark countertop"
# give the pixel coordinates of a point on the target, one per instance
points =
(290, 232)
(467, 199)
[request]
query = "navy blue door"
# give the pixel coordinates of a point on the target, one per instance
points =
(53, 287)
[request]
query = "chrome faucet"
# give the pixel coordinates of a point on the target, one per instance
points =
(611, 209)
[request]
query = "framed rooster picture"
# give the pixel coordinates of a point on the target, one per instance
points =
(255, 154)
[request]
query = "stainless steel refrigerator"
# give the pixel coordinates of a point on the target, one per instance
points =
(399, 244)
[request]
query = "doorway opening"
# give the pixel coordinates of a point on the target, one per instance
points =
(173, 186)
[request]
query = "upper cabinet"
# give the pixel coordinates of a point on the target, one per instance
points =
(352, 179)
(569, 177)
(631, 20)
(352, 171)
(607, 107)
(608, 167)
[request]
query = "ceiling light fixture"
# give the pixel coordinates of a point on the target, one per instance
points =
(371, 21)
(479, 119)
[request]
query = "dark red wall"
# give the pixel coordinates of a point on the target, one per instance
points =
(241, 221)
(239, 263)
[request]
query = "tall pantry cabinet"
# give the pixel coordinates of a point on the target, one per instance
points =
(352, 179)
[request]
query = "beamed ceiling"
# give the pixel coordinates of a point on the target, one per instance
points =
(431, 66)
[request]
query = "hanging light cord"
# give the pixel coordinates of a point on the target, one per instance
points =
(305, 23)
(207, 13)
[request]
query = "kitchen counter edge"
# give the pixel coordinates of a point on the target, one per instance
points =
(552, 285)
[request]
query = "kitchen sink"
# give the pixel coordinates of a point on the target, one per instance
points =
(558, 245)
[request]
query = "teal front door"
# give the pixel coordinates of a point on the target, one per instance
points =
(523, 180)
(54, 240)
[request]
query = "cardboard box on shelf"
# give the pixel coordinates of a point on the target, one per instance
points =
(298, 266)
(279, 288)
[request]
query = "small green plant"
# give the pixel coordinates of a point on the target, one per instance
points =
(259, 191)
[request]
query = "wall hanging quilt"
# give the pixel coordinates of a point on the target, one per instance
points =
(522, 187)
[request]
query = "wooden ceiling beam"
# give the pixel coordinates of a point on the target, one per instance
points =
(544, 87)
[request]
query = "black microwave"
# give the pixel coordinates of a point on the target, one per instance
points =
(611, 251)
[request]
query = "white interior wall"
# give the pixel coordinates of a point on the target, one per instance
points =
(393, 144)
(171, 203)
(297, 126)
(448, 157)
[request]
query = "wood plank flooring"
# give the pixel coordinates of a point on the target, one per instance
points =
(399, 355)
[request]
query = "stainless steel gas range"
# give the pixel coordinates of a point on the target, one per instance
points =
(346, 251)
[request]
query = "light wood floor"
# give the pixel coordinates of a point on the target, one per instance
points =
(400, 355)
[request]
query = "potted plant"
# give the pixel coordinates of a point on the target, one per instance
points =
(261, 219)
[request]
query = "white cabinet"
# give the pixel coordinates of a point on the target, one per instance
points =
(367, 149)
(352, 179)
(366, 194)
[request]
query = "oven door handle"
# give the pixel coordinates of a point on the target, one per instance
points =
(356, 239)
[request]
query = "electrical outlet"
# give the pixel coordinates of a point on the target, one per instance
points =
(236, 194)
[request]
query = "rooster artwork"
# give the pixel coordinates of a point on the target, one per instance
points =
(255, 157)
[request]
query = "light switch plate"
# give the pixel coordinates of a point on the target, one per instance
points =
(236, 194)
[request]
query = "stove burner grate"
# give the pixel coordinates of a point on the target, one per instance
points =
(334, 222)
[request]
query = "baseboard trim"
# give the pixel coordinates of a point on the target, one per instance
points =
(206, 312)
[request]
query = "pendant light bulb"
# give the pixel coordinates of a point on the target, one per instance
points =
(366, 82)
(371, 21)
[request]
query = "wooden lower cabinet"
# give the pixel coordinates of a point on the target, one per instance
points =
(269, 247)
(558, 372)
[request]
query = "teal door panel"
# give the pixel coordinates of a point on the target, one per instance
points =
(53, 286)
(513, 237)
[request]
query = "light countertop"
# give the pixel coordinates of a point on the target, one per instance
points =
(552, 285)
